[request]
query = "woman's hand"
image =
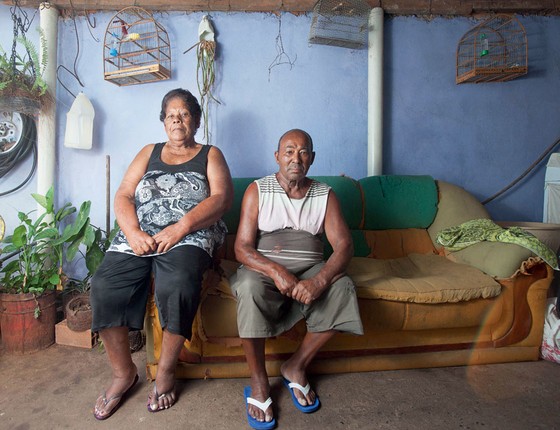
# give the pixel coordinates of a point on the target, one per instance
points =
(141, 242)
(168, 237)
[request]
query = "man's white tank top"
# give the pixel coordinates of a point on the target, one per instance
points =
(277, 211)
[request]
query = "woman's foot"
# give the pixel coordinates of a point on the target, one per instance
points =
(107, 404)
(160, 401)
(163, 394)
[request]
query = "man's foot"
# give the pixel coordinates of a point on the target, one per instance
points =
(304, 398)
(260, 393)
(265, 408)
(108, 403)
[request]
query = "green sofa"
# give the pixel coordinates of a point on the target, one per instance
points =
(421, 305)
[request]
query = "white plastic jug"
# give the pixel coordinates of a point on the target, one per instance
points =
(79, 124)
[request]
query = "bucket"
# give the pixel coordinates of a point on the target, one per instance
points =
(21, 332)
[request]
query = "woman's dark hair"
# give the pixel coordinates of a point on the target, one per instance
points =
(188, 99)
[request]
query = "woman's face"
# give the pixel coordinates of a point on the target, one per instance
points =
(179, 123)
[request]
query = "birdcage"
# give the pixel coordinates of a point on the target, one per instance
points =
(340, 23)
(136, 48)
(493, 51)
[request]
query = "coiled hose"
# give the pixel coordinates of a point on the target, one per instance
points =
(26, 143)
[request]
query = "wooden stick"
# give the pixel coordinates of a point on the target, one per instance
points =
(108, 193)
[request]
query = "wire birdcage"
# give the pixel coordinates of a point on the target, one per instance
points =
(136, 48)
(340, 23)
(493, 51)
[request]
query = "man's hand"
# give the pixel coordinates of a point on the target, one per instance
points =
(307, 290)
(141, 242)
(285, 282)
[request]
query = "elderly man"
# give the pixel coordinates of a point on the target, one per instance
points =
(283, 277)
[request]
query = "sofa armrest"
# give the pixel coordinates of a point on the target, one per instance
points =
(496, 259)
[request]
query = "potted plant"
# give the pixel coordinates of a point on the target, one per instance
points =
(34, 255)
(77, 309)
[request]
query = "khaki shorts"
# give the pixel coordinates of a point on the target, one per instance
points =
(262, 311)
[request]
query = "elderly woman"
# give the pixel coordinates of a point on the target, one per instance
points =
(168, 207)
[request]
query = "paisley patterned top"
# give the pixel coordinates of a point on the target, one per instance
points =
(165, 194)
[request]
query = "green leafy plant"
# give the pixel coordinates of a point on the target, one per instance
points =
(96, 241)
(39, 248)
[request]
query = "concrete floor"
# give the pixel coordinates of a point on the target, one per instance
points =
(56, 389)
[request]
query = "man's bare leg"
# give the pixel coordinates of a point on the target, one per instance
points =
(116, 343)
(165, 377)
(294, 369)
(260, 387)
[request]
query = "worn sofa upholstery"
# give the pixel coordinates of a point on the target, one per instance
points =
(421, 306)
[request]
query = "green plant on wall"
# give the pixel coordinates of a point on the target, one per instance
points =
(206, 53)
(205, 69)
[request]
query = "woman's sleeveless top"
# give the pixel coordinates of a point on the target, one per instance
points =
(166, 193)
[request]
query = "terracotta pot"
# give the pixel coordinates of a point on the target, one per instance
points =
(22, 333)
(78, 313)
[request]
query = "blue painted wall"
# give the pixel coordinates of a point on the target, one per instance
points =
(480, 137)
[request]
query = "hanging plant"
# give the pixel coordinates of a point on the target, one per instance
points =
(22, 87)
(205, 69)
(205, 76)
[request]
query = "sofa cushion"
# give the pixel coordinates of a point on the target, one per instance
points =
(420, 278)
(456, 205)
(399, 201)
(396, 243)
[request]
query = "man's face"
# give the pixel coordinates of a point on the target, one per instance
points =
(294, 156)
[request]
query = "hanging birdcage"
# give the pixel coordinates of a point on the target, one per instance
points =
(493, 51)
(136, 48)
(340, 23)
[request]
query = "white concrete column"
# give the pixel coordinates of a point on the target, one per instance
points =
(46, 124)
(375, 92)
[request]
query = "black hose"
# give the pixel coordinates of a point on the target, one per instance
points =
(525, 173)
(27, 142)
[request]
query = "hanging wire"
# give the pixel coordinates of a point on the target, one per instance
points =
(525, 173)
(281, 57)
(91, 25)
(73, 73)
(21, 23)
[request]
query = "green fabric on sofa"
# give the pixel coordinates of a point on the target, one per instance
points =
(231, 217)
(349, 195)
(361, 247)
(399, 201)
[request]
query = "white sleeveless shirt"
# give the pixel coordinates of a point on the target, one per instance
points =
(277, 211)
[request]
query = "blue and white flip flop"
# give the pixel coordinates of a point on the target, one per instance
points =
(305, 409)
(263, 406)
